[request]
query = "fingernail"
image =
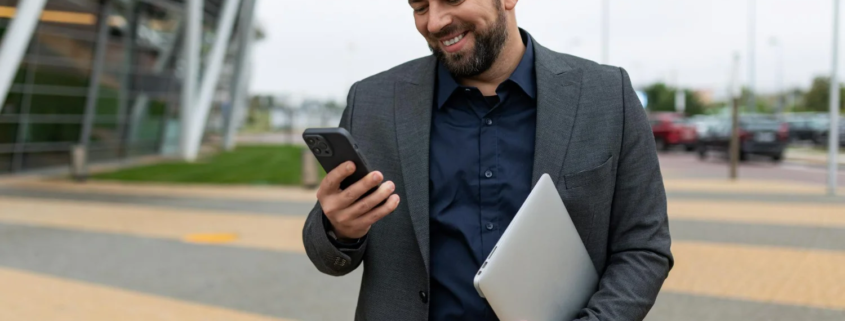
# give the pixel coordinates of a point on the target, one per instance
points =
(392, 186)
(349, 166)
(375, 177)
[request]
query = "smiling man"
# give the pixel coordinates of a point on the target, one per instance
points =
(461, 137)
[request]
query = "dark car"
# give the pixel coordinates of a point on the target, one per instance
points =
(671, 130)
(826, 127)
(758, 135)
(810, 129)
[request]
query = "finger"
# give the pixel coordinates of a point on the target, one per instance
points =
(380, 212)
(366, 204)
(331, 183)
(352, 193)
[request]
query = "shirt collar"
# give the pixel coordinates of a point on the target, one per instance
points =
(523, 75)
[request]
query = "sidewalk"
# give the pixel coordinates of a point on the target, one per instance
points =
(811, 156)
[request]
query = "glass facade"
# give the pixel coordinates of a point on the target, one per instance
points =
(137, 94)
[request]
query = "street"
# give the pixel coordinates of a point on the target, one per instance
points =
(768, 247)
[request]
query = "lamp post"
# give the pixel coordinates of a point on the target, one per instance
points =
(781, 99)
(752, 46)
(605, 35)
(833, 133)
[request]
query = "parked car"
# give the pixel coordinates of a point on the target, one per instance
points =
(758, 135)
(671, 130)
(809, 128)
(823, 135)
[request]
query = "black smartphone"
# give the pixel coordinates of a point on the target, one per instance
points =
(334, 146)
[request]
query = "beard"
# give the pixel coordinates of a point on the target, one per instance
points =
(488, 46)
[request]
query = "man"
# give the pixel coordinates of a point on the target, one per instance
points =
(461, 137)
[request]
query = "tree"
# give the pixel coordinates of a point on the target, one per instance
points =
(662, 98)
(818, 98)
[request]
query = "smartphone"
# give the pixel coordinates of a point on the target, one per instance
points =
(334, 146)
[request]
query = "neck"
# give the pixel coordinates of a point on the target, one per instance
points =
(508, 60)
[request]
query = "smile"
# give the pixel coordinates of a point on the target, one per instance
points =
(453, 41)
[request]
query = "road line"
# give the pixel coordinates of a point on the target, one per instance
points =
(283, 233)
(823, 215)
(29, 296)
(758, 273)
(746, 186)
(238, 192)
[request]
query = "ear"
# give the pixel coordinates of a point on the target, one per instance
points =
(510, 4)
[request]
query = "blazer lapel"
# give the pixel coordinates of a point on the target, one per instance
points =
(558, 95)
(413, 107)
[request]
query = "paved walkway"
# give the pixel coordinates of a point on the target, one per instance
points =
(105, 251)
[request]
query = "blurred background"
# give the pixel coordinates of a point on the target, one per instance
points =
(151, 165)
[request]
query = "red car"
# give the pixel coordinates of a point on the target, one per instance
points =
(671, 130)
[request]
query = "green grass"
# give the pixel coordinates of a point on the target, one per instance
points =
(250, 165)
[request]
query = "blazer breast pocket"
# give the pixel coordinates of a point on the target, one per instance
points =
(595, 177)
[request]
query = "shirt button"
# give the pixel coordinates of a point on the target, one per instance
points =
(489, 226)
(488, 174)
(423, 297)
(488, 121)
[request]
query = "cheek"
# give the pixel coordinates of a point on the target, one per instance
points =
(422, 25)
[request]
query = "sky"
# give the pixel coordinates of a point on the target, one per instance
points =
(317, 49)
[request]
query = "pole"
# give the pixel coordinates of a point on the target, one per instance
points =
(605, 36)
(781, 91)
(735, 93)
(96, 71)
(15, 41)
(191, 55)
(833, 133)
(735, 150)
(752, 45)
(211, 75)
(239, 88)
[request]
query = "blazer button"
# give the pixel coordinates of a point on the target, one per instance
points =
(423, 297)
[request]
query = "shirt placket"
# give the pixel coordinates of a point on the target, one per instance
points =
(489, 178)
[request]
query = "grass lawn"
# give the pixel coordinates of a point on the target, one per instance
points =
(251, 165)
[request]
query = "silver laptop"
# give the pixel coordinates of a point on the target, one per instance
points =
(539, 269)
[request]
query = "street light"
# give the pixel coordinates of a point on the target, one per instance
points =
(752, 17)
(833, 133)
(779, 68)
(605, 56)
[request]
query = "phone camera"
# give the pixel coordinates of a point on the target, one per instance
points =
(317, 151)
(311, 141)
(323, 146)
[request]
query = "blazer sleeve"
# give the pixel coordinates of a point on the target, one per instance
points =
(323, 253)
(639, 246)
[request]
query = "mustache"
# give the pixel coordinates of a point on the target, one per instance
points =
(451, 29)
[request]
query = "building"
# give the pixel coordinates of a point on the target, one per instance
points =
(112, 76)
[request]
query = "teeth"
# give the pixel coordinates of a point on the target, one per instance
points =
(453, 40)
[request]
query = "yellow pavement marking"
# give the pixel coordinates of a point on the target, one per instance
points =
(808, 278)
(276, 232)
(272, 193)
(742, 186)
(807, 214)
(210, 238)
(29, 296)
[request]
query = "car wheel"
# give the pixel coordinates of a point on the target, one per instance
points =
(743, 156)
(777, 158)
(702, 153)
(690, 148)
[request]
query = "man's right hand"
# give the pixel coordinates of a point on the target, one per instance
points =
(350, 217)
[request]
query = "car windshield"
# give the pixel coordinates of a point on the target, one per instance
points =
(761, 124)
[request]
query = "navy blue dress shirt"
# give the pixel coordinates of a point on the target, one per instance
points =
(481, 159)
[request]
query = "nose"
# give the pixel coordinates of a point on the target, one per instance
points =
(438, 17)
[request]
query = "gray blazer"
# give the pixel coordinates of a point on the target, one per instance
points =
(593, 138)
